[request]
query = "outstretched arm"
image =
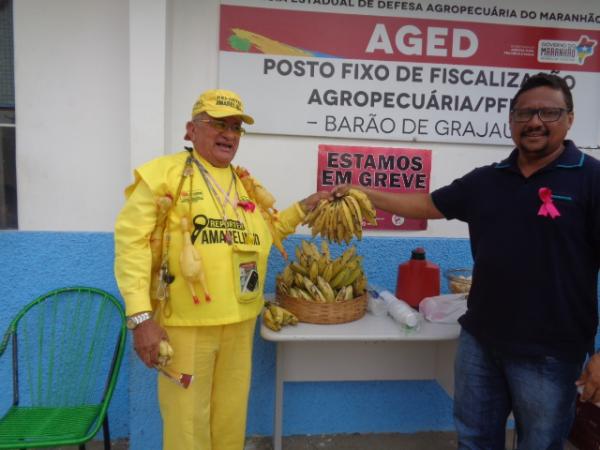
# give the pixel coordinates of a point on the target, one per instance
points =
(291, 217)
(411, 205)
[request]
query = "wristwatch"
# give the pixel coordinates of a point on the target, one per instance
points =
(135, 320)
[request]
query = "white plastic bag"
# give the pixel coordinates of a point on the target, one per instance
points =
(443, 308)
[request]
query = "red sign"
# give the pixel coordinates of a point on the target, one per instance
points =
(396, 170)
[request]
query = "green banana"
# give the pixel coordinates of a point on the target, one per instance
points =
(296, 267)
(338, 280)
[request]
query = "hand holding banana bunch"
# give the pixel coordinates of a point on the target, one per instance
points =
(316, 277)
(275, 317)
(340, 219)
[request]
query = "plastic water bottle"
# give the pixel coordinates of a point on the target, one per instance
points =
(376, 305)
(399, 310)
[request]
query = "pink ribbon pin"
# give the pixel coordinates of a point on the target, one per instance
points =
(547, 208)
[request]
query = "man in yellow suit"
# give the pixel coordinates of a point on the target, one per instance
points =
(212, 249)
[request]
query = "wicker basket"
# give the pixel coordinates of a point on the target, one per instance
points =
(325, 313)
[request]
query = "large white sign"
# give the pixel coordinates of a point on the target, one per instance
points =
(304, 72)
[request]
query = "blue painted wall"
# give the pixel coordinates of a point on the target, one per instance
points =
(32, 263)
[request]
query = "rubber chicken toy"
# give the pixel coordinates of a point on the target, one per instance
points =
(191, 264)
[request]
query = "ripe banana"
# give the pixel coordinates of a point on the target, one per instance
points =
(288, 275)
(325, 289)
(336, 267)
(269, 320)
(305, 261)
(328, 272)
(310, 249)
(353, 276)
(298, 268)
(349, 294)
(354, 262)
(299, 280)
(348, 253)
(347, 216)
(341, 295)
(304, 295)
(298, 253)
(277, 313)
(313, 272)
(354, 209)
(357, 215)
(281, 314)
(275, 317)
(325, 250)
(314, 291)
(365, 205)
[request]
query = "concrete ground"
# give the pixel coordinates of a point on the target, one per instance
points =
(433, 440)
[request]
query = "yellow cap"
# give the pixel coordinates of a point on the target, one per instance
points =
(221, 103)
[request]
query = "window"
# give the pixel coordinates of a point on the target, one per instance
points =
(8, 175)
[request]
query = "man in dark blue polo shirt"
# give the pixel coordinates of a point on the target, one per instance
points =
(534, 224)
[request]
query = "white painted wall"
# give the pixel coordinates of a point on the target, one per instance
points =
(147, 55)
(72, 113)
(102, 86)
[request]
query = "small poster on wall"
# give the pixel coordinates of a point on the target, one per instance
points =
(396, 170)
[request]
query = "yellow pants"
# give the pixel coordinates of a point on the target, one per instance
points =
(211, 413)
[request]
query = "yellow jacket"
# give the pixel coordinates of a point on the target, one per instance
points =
(137, 219)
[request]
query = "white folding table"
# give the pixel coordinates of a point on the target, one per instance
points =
(372, 348)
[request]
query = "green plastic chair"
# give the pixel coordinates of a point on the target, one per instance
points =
(65, 353)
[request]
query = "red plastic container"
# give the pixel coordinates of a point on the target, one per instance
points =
(417, 279)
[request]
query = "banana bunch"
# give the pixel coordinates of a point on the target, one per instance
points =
(165, 353)
(315, 276)
(275, 317)
(341, 218)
